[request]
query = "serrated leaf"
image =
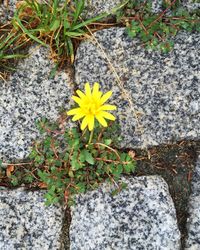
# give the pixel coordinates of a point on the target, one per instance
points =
(88, 157)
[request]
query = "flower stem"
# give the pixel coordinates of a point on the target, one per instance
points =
(91, 136)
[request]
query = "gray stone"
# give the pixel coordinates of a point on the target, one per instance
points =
(26, 223)
(29, 95)
(157, 94)
(142, 216)
(193, 222)
(96, 7)
(7, 9)
(190, 5)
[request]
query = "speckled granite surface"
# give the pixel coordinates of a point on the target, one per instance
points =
(29, 95)
(26, 223)
(193, 222)
(95, 7)
(139, 217)
(163, 88)
(6, 10)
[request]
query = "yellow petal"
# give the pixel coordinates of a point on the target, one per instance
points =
(84, 123)
(74, 111)
(77, 100)
(80, 94)
(95, 90)
(90, 122)
(107, 115)
(87, 89)
(105, 97)
(101, 120)
(108, 107)
(78, 116)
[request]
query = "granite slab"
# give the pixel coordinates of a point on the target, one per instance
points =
(157, 94)
(193, 222)
(30, 94)
(26, 223)
(142, 216)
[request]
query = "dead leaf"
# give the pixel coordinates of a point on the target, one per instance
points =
(131, 153)
(42, 185)
(9, 170)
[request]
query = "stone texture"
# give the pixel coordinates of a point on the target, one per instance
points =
(140, 217)
(163, 89)
(26, 223)
(29, 95)
(190, 5)
(193, 222)
(95, 7)
(7, 9)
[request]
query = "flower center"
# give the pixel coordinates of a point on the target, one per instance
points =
(91, 107)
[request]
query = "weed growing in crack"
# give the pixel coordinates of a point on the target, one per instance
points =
(156, 29)
(72, 161)
(56, 24)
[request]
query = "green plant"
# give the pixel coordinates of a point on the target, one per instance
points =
(67, 164)
(55, 23)
(61, 25)
(156, 30)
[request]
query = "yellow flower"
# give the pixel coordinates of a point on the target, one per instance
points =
(92, 106)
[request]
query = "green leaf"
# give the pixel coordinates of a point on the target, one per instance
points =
(1, 163)
(81, 187)
(82, 156)
(71, 174)
(128, 168)
(107, 142)
(66, 157)
(14, 180)
(76, 165)
(78, 10)
(89, 21)
(55, 25)
(88, 157)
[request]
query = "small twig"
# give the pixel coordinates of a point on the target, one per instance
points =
(17, 164)
(142, 25)
(113, 180)
(116, 162)
(156, 34)
(161, 15)
(104, 145)
(54, 149)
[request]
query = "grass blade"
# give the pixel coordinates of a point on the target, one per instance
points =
(89, 21)
(79, 8)
(12, 56)
(27, 32)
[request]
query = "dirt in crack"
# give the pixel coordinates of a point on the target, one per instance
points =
(175, 163)
(65, 237)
